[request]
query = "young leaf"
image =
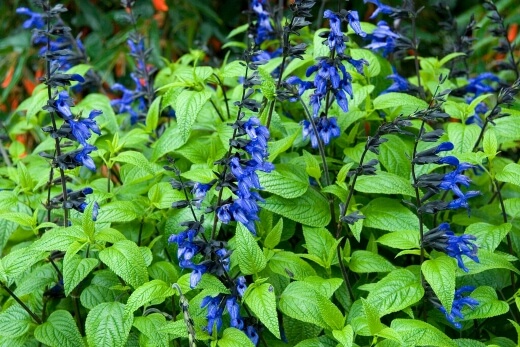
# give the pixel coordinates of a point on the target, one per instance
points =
(310, 209)
(384, 183)
(419, 333)
(127, 261)
(188, 105)
(154, 291)
(75, 269)
(440, 274)
(233, 338)
(407, 104)
(344, 336)
(284, 182)
(275, 234)
(262, 301)
(60, 330)
(152, 118)
(404, 239)
(108, 325)
(488, 236)
(250, 257)
(117, 211)
(300, 301)
(510, 174)
(389, 214)
(488, 304)
(366, 262)
(14, 322)
(372, 314)
(396, 291)
(290, 265)
(149, 326)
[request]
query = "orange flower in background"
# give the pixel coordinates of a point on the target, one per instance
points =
(8, 77)
(160, 5)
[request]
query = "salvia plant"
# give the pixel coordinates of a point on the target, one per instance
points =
(328, 174)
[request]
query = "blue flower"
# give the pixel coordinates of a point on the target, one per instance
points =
(335, 39)
(233, 309)
(381, 8)
(215, 311)
(327, 128)
(443, 239)
(80, 129)
(264, 28)
(241, 285)
(83, 158)
(303, 86)
(63, 104)
(35, 20)
(399, 83)
(124, 104)
(358, 64)
(462, 201)
(252, 334)
(353, 21)
(199, 192)
(480, 85)
(383, 39)
(458, 304)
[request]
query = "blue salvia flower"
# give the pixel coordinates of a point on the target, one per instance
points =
(76, 200)
(399, 84)
(383, 39)
(81, 128)
(252, 334)
(481, 84)
(353, 21)
(125, 103)
(443, 239)
(264, 28)
(215, 311)
(199, 192)
(327, 128)
(430, 155)
(335, 39)
(82, 157)
(244, 209)
(381, 8)
(35, 20)
(233, 309)
(458, 304)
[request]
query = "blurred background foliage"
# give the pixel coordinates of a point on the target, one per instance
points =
(174, 27)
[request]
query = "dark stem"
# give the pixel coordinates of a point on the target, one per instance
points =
(77, 315)
(216, 110)
(140, 232)
(419, 214)
(225, 96)
(17, 299)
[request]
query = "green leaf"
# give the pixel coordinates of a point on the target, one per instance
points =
(510, 174)
(149, 326)
(488, 236)
(419, 333)
(19, 218)
(490, 143)
(326, 287)
(250, 257)
(319, 242)
(274, 236)
(163, 270)
(100, 289)
(440, 274)
(300, 301)
(14, 322)
(268, 85)
(488, 260)
(169, 141)
(162, 195)
(108, 325)
(366, 262)
(127, 261)
(236, 68)
(290, 265)
(188, 105)
(282, 145)
(262, 301)
(212, 285)
(117, 212)
(396, 291)
(462, 136)
(344, 336)
(384, 183)
(152, 118)
(310, 209)
(395, 156)
(18, 261)
(372, 314)
(488, 304)
(406, 103)
(234, 338)
(59, 239)
(373, 68)
(405, 239)
(284, 181)
(388, 214)
(136, 159)
(60, 330)
(313, 166)
(75, 269)
(154, 291)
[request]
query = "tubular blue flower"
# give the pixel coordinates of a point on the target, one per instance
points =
(214, 315)
(252, 334)
(124, 104)
(233, 309)
(353, 21)
(80, 129)
(358, 64)
(63, 104)
(399, 83)
(429, 155)
(196, 274)
(327, 128)
(382, 39)
(264, 28)
(95, 211)
(462, 201)
(35, 20)
(303, 86)
(381, 8)
(199, 192)
(83, 157)
(335, 39)
(241, 285)
(443, 239)
(481, 84)
(458, 304)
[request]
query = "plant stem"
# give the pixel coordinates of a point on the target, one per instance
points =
(17, 299)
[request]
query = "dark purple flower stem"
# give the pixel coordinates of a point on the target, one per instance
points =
(24, 306)
(419, 215)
